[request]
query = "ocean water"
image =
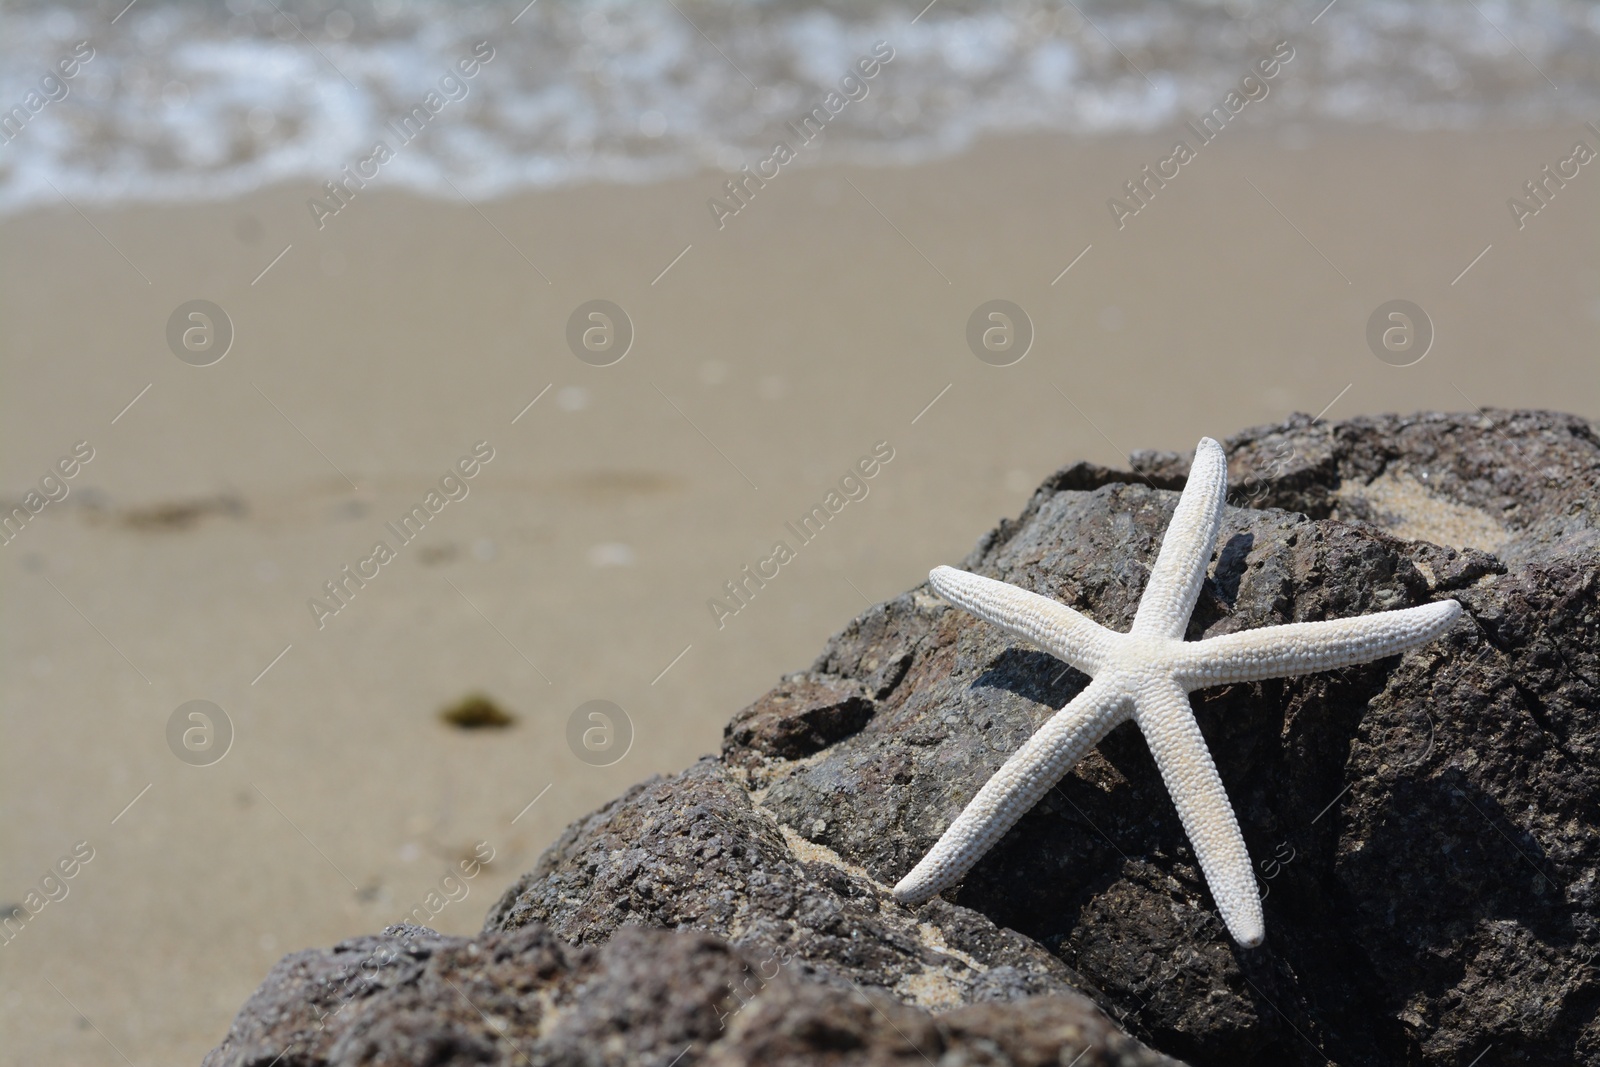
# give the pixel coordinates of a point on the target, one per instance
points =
(186, 100)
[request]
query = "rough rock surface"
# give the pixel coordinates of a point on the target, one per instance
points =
(656, 997)
(1425, 826)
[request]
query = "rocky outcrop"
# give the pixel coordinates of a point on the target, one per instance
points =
(646, 996)
(1425, 826)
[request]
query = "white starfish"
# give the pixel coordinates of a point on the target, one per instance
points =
(1147, 675)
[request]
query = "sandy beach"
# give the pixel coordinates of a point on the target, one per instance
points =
(827, 320)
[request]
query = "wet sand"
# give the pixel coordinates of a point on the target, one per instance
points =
(768, 360)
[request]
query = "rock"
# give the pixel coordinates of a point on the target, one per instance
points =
(660, 997)
(1405, 815)
(804, 714)
(695, 851)
(809, 1024)
(1424, 826)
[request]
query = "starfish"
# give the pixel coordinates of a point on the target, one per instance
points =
(1147, 675)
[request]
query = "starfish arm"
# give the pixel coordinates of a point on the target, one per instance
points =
(1180, 568)
(1167, 722)
(1051, 625)
(1307, 647)
(1014, 789)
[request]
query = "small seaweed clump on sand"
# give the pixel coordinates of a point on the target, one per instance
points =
(477, 712)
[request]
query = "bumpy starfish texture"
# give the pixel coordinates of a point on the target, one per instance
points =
(1147, 675)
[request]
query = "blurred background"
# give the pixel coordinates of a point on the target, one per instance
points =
(304, 278)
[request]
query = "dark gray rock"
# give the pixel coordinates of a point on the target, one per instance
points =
(804, 714)
(694, 851)
(657, 997)
(1425, 826)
